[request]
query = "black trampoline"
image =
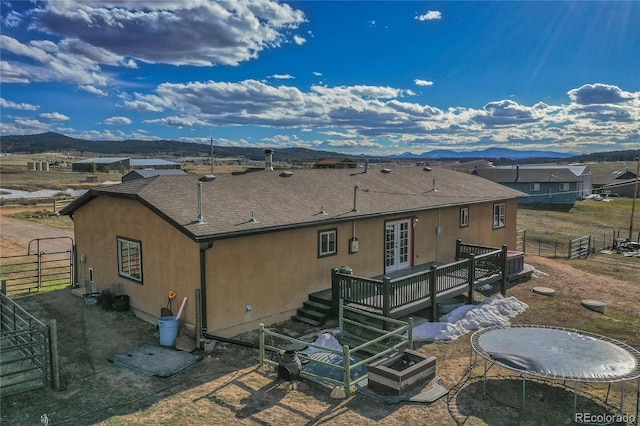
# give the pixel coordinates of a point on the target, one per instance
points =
(558, 354)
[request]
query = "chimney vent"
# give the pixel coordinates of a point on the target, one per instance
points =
(268, 160)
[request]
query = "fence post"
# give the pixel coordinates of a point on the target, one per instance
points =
(39, 266)
(524, 241)
(471, 277)
(335, 289)
(261, 345)
(4, 287)
(433, 292)
(346, 362)
(53, 347)
(505, 261)
(410, 333)
(341, 316)
(539, 244)
(458, 243)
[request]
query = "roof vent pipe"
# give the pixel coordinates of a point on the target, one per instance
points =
(355, 198)
(200, 218)
(366, 165)
(517, 173)
(268, 160)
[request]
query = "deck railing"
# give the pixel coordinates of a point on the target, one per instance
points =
(476, 266)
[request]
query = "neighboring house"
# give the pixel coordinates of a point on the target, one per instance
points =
(621, 182)
(584, 185)
(545, 185)
(257, 244)
(101, 164)
(107, 164)
(335, 163)
(144, 174)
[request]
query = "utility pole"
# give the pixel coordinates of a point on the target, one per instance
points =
(211, 156)
(635, 195)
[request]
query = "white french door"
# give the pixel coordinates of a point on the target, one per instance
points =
(397, 245)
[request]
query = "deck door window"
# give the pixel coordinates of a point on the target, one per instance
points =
(397, 245)
(130, 259)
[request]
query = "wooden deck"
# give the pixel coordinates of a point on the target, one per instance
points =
(404, 292)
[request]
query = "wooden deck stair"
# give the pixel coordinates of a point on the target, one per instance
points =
(316, 310)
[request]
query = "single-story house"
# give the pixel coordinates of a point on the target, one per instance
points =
(335, 163)
(148, 173)
(257, 244)
(545, 185)
(107, 164)
(621, 182)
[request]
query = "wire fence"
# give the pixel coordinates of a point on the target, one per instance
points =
(566, 248)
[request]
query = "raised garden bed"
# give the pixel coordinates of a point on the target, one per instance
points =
(397, 374)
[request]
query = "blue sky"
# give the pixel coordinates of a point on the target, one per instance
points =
(370, 77)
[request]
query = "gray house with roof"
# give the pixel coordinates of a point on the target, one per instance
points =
(556, 186)
(107, 164)
(256, 245)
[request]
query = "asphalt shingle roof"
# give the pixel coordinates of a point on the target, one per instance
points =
(526, 175)
(298, 200)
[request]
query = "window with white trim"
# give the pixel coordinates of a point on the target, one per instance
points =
(130, 259)
(464, 216)
(564, 186)
(327, 242)
(499, 215)
(534, 186)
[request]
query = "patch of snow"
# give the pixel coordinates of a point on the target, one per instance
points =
(111, 182)
(496, 310)
(538, 274)
(42, 193)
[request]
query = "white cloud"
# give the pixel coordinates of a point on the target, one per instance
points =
(419, 82)
(92, 89)
(282, 76)
(54, 116)
(598, 93)
(13, 19)
(117, 121)
(195, 32)
(299, 40)
(23, 106)
(429, 16)
(317, 74)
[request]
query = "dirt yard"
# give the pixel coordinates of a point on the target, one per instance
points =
(228, 387)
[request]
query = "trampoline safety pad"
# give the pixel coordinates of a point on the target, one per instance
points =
(558, 353)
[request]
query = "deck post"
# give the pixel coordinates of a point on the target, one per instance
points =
(261, 345)
(335, 289)
(386, 299)
(505, 260)
(472, 278)
(433, 291)
(458, 244)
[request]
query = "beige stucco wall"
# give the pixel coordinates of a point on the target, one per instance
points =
(170, 260)
(271, 272)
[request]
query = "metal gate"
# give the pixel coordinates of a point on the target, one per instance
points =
(49, 263)
(28, 351)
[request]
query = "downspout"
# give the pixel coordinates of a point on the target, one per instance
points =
(203, 293)
(203, 283)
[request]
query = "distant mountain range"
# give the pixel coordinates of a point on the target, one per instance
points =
(55, 142)
(488, 153)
